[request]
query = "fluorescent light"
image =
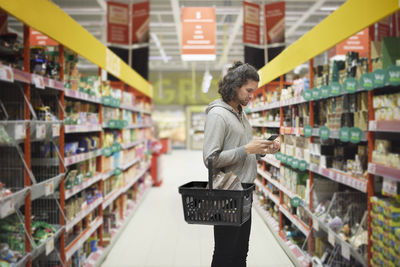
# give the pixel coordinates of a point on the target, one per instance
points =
(327, 8)
(198, 57)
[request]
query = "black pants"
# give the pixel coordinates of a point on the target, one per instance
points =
(231, 245)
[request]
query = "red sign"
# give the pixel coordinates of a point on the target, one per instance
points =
(140, 22)
(384, 28)
(251, 23)
(117, 23)
(275, 22)
(198, 33)
(37, 38)
(356, 43)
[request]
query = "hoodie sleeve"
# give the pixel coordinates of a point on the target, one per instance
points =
(214, 135)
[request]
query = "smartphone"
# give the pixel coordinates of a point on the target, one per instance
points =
(273, 137)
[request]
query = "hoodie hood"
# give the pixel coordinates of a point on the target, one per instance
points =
(221, 103)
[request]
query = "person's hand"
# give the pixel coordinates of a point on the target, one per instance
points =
(275, 147)
(259, 146)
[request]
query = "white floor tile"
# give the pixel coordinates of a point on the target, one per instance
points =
(158, 236)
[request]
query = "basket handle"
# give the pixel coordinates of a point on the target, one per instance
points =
(210, 169)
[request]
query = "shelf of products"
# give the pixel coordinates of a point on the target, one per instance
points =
(64, 111)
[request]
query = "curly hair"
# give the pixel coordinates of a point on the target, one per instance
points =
(238, 75)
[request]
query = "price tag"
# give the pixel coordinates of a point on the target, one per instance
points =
(56, 130)
(51, 83)
(389, 187)
(7, 208)
(40, 131)
(6, 73)
(331, 237)
(49, 188)
(371, 168)
(316, 225)
(345, 251)
(20, 131)
(49, 245)
(38, 81)
(372, 125)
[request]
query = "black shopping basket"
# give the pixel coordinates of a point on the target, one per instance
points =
(215, 207)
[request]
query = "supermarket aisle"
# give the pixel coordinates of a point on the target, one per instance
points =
(158, 236)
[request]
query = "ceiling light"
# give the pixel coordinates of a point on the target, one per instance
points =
(327, 8)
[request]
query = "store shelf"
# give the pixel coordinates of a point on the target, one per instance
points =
(79, 240)
(295, 220)
(39, 250)
(81, 96)
(267, 192)
(384, 126)
(83, 128)
(319, 225)
(136, 126)
(135, 109)
(294, 252)
(83, 213)
(82, 157)
(266, 107)
(111, 197)
(88, 182)
(54, 84)
(97, 258)
(277, 184)
(270, 159)
(134, 180)
(340, 177)
(108, 174)
(8, 74)
(46, 188)
(271, 124)
(384, 171)
(126, 166)
(133, 144)
(10, 203)
(16, 130)
(291, 130)
(278, 104)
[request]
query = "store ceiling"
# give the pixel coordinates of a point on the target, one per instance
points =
(301, 16)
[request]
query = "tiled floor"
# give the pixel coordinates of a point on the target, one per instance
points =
(157, 236)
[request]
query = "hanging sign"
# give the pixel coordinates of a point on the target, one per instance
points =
(308, 131)
(198, 33)
(344, 134)
(324, 132)
(394, 75)
(350, 85)
(295, 163)
(275, 22)
(307, 95)
(140, 22)
(251, 23)
(284, 158)
(356, 43)
(380, 78)
(335, 89)
(117, 23)
(303, 165)
(316, 93)
(38, 39)
(367, 81)
(355, 135)
(325, 91)
(289, 160)
(295, 202)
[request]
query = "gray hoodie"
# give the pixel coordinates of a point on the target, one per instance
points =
(227, 132)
